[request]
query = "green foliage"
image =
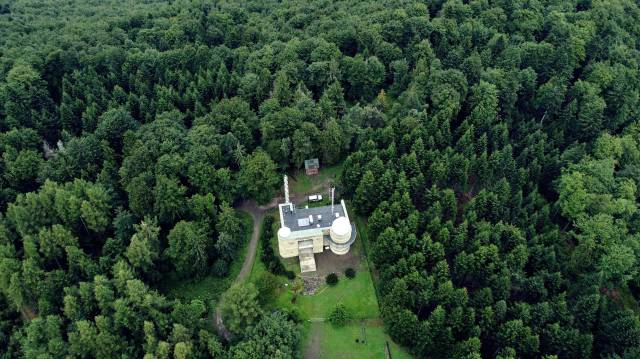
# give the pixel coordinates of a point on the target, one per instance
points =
(26, 101)
(169, 203)
(339, 316)
(9, 318)
(268, 256)
(258, 177)
(219, 276)
(350, 273)
(273, 336)
(331, 279)
(267, 285)
(492, 146)
(598, 197)
(240, 308)
(144, 247)
(188, 249)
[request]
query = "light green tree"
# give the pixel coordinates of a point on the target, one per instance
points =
(240, 308)
(145, 246)
(188, 249)
(258, 176)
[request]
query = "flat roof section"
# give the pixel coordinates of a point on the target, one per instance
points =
(295, 220)
(311, 163)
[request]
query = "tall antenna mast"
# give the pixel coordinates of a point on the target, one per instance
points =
(332, 198)
(286, 190)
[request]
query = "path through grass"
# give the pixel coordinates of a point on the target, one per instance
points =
(340, 343)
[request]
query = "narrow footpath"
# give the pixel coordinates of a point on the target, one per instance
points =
(257, 215)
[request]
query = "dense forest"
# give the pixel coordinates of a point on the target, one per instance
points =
(493, 146)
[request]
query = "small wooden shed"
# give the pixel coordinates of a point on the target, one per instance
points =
(312, 166)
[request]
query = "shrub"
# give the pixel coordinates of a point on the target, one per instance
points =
(240, 308)
(267, 286)
(290, 274)
(350, 273)
(220, 268)
(332, 279)
(270, 259)
(275, 266)
(293, 314)
(339, 316)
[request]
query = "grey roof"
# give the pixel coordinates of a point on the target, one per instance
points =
(291, 218)
(312, 163)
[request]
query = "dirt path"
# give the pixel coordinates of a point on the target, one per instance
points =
(312, 351)
(257, 214)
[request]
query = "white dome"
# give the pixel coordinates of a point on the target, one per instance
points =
(284, 232)
(341, 226)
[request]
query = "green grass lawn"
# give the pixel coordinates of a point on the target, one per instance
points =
(258, 267)
(340, 343)
(210, 287)
(357, 294)
(303, 183)
(363, 233)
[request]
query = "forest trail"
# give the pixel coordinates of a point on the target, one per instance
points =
(257, 215)
(312, 351)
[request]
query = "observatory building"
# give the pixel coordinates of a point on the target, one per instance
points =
(305, 231)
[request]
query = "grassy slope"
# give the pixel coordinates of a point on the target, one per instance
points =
(258, 267)
(210, 287)
(356, 294)
(363, 233)
(303, 183)
(340, 343)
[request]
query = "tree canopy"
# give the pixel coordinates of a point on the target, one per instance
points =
(491, 147)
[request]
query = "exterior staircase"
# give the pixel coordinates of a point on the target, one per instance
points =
(307, 260)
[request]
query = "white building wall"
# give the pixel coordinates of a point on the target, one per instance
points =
(340, 249)
(288, 247)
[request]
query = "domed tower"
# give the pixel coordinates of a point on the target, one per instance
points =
(340, 233)
(284, 233)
